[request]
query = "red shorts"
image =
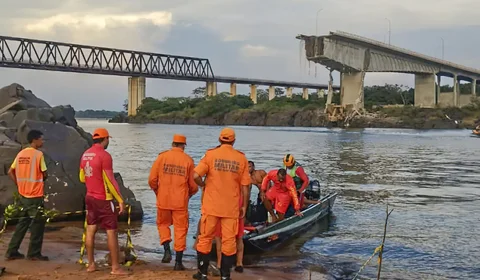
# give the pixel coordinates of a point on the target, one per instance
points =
(101, 212)
(281, 199)
(241, 228)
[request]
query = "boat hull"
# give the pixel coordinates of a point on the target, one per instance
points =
(278, 234)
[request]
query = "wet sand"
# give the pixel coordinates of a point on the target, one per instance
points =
(62, 246)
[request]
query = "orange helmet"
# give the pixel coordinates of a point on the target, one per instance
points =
(288, 160)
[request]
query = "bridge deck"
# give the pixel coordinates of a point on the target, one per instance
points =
(345, 52)
(35, 54)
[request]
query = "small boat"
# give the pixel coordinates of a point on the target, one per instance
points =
(476, 131)
(262, 237)
(268, 237)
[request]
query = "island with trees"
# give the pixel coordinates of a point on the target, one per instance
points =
(388, 106)
(96, 114)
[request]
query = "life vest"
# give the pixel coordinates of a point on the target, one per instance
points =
(293, 173)
(29, 176)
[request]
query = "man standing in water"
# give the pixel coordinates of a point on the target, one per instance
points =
(29, 172)
(96, 171)
(227, 179)
(171, 178)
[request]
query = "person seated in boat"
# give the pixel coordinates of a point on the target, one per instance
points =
(256, 212)
(296, 171)
(311, 197)
(281, 194)
(256, 176)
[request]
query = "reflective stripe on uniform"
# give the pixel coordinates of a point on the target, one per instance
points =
(33, 165)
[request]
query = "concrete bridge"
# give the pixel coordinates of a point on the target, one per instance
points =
(353, 56)
(34, 54)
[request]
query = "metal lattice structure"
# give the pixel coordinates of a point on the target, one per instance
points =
(55, 56)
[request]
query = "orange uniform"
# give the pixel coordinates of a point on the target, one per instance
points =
(29, 166)
(241, 225)
(171, 177)
(282, 193)
(226, 170)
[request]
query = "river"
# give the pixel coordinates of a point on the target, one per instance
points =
(430, 179)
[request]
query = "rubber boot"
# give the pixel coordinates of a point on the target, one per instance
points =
(203, 262)
(167, 255)
(226, 266)
(178, 261)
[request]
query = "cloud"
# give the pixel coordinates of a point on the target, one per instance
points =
(257, 50)
(97, 21)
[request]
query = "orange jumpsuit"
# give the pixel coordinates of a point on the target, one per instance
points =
(282, 193)
(171, 177)
(227, 171)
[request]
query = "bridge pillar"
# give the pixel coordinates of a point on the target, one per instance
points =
(456, 90)
(351, 89)
(136, 94)
(253, 93)
(438, 90)
(305, 93)
(474, 87)
(271, 92)
(425, 89)
(289, 92)
(211, 88)
(233, 89)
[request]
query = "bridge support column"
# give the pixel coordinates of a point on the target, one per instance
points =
(271, 92)
(253, 93)
(233, 89)
(136, 94)
(289, 92)
(456, 90)
(351, 89)
(305, 93)
(425, 88)
(211, 88)
(438, 89)
(474, 87)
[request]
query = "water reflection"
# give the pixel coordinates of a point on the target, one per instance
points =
(430, 178)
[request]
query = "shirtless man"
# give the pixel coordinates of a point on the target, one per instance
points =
(256, 175)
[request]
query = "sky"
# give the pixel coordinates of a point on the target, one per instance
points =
(242, 38)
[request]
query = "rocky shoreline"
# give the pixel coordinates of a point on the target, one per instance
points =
(302, 118)
(65, 142)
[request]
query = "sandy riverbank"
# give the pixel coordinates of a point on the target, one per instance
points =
(62, 246)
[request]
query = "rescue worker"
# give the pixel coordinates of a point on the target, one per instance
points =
(218, 241)
(227, 179)
(282, 194)
(96, 171)
(29, 173)
(296, 171)
(171, 178)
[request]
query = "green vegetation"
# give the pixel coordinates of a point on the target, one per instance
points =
(213, 109)
(219, 105)
(468, 114)
(96, 114)
(199, 106)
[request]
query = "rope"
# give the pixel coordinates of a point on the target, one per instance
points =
(130, 255)
(377, 250)
(12, 209)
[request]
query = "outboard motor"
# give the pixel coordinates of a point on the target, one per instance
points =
(313, 191)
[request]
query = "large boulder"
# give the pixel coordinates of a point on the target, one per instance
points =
(64, 145)
(15, 92)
